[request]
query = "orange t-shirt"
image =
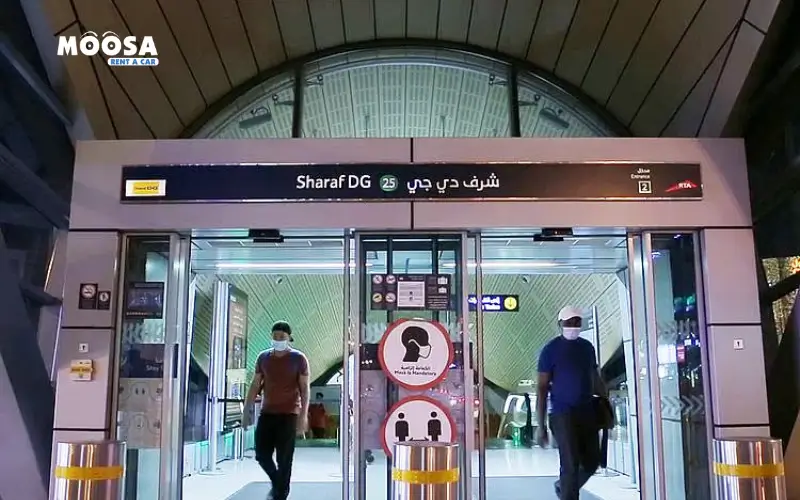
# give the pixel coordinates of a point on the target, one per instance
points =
(317, 416)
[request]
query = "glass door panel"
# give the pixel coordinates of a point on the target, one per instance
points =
(517, 290)
(150, 387)
(670, 352)
(394, 259)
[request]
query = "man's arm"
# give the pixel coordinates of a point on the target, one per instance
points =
(305, 389)
(599, 386)
(543, 386)
(542, 391)
(256, 385)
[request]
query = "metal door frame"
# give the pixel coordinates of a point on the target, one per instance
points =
(175, 341)
(469, 400)
(643, 256)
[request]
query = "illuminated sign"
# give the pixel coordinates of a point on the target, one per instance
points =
(412, 181)
(146, 188)
(495, 303)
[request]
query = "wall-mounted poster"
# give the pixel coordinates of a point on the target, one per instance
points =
(411, 292)
(416, 353)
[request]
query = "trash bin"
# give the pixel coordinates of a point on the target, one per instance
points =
(89, 471)
(425, 471)
(749, 469)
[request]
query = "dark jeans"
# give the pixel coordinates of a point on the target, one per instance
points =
(276, 433)
(578, 450)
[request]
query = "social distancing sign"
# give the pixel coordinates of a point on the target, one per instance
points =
(418, 418)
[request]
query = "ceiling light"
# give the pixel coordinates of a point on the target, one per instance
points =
(508, 264)
(284, 265)
(258, 116)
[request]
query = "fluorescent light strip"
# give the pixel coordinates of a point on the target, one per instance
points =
(500, 264)
(284, 265)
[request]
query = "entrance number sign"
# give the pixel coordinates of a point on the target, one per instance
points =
(417, 418)
(416, 353)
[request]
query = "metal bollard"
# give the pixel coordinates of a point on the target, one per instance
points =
(749, 469)
(89, 471)
(425, 471)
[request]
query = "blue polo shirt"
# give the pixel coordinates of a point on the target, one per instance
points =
(571, 365)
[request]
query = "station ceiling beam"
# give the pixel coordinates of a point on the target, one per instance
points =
(22, 180)
(33, 80)
(22, 215)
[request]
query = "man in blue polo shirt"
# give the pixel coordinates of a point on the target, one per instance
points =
(568, 374)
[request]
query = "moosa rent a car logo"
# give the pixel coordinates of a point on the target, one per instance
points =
(125, 51)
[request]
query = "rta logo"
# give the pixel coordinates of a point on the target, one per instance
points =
(126, 51)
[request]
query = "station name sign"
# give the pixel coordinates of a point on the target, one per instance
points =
(414, 181)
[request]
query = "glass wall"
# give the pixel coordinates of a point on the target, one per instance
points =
(406, 91)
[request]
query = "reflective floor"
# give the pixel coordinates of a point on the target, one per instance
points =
(238, 480)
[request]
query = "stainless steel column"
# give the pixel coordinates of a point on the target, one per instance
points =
(425, 471)
(89, 471)
(749, 469)
(216, 371)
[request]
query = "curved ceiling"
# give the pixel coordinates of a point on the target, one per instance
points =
(406, 92)
(301, 281)
(660, 67)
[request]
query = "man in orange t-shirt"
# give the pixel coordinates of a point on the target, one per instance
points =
(318, 417)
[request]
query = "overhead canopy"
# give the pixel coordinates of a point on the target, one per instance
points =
(671, 68)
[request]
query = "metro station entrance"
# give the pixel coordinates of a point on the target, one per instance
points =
(421, 336)
(421, 298)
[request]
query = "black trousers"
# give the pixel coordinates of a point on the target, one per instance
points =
(578, 450)
(276, 434)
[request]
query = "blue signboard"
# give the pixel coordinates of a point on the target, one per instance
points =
(495, 303)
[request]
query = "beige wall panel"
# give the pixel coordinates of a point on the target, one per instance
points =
(227, 29)
(454, 18)
(653, 50)
(587, 28)
(550, 31)
(707, 34)
(139, 83)
(487, 19)
(298, 35)
(88, 93)
(627, 24)
(390, 18)
(327, 22)
(186, 20)
(517, 27)
(262, 27)
(359, 20)
(127, 120)
(145, 16)
(421, 18)
(686, 121)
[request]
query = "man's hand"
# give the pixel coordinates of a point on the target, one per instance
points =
(542, 439)
(247, 416)
(302, 424)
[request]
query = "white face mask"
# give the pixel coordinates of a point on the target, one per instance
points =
(280, 345)
(424, 351)
(571, 333)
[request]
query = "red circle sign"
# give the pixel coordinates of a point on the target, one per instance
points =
(416, 353)
(417, 418)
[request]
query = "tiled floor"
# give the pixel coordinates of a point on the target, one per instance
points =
(322, 465)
